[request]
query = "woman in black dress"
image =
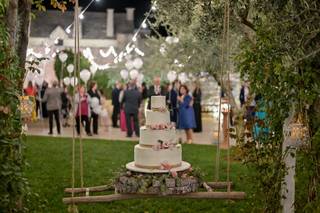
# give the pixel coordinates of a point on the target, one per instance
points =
(197, 107)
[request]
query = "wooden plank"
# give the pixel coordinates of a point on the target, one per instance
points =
(219, 185)
(90, 189)
(116, 197)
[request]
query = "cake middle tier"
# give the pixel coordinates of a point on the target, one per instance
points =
(146, 157)
(151, 137)
(156, 117)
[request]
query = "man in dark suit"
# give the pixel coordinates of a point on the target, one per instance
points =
(116, 104)
(132, 100)
(155, 90)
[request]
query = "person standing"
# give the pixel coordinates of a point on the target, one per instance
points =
(132, 101)
(116, 104)
(197, 107)
(93, 93)
(53, 98)
(82, 101)
(65, 106)
(186, 118)
(155, 90)
(171, 98)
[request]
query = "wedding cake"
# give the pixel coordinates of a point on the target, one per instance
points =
(158, 150)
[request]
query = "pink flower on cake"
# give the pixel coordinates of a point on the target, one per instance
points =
(166, 166)
(174, 174)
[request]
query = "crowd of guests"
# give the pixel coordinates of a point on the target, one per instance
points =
(129, 103)
(130, 100)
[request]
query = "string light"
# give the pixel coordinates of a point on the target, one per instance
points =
(144, 25)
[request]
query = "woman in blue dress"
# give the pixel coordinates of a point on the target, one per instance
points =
(186, 118)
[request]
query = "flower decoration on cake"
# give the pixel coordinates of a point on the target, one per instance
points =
(163, 145)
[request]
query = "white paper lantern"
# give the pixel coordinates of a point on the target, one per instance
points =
(70, 68)
(129, 65)
(94, 102)
(63, 57)
(73, 81)
(66, 81)
(85, 75)
(93, 69)
(172, 76)
(124, 74)
(183, 77)
(137, 63)
(134, 74)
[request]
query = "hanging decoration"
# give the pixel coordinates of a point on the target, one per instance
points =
(73, 81)
(85, 75)
(93, 69)
(70, 68)
(129, 65)
(124, 74)
(183, 77)
(63, 57)
(111, 51)
(134, 74)
(66, 81)
(137, 63)
(172, 76)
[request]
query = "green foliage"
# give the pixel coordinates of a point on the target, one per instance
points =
(279, 54)
(13, 184)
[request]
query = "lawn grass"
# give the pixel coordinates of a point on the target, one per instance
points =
(50, 172)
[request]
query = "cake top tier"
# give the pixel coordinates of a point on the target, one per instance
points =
(158, 102)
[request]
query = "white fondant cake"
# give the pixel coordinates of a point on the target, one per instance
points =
(146, 157)
(157, 117)
(152, 136)
(158, 102)
(157, 145)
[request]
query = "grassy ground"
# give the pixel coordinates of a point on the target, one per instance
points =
(50, 172)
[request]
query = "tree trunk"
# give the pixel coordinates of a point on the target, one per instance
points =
(11, 22)
(23, 32)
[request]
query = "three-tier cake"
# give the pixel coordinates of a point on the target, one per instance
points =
(158, 150)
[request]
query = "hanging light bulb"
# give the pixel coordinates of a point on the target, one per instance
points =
(68, 30)
(81, 16)
(153, 8)
(144, 24)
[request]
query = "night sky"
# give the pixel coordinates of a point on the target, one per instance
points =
(141, 6)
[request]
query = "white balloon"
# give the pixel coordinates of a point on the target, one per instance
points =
(124, 74)
(93, 69)
(129, 65)
(66, 81)
(94, 102)
(70, 68)
(172, 76)
(97, 109)
(73, 81)
(183, 77)
(85, 75)
(63, 57)
(137, 63)
(134, 74)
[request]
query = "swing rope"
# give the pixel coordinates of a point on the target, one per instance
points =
(222, 66)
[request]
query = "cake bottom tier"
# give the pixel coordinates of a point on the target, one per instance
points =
(146, 157)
